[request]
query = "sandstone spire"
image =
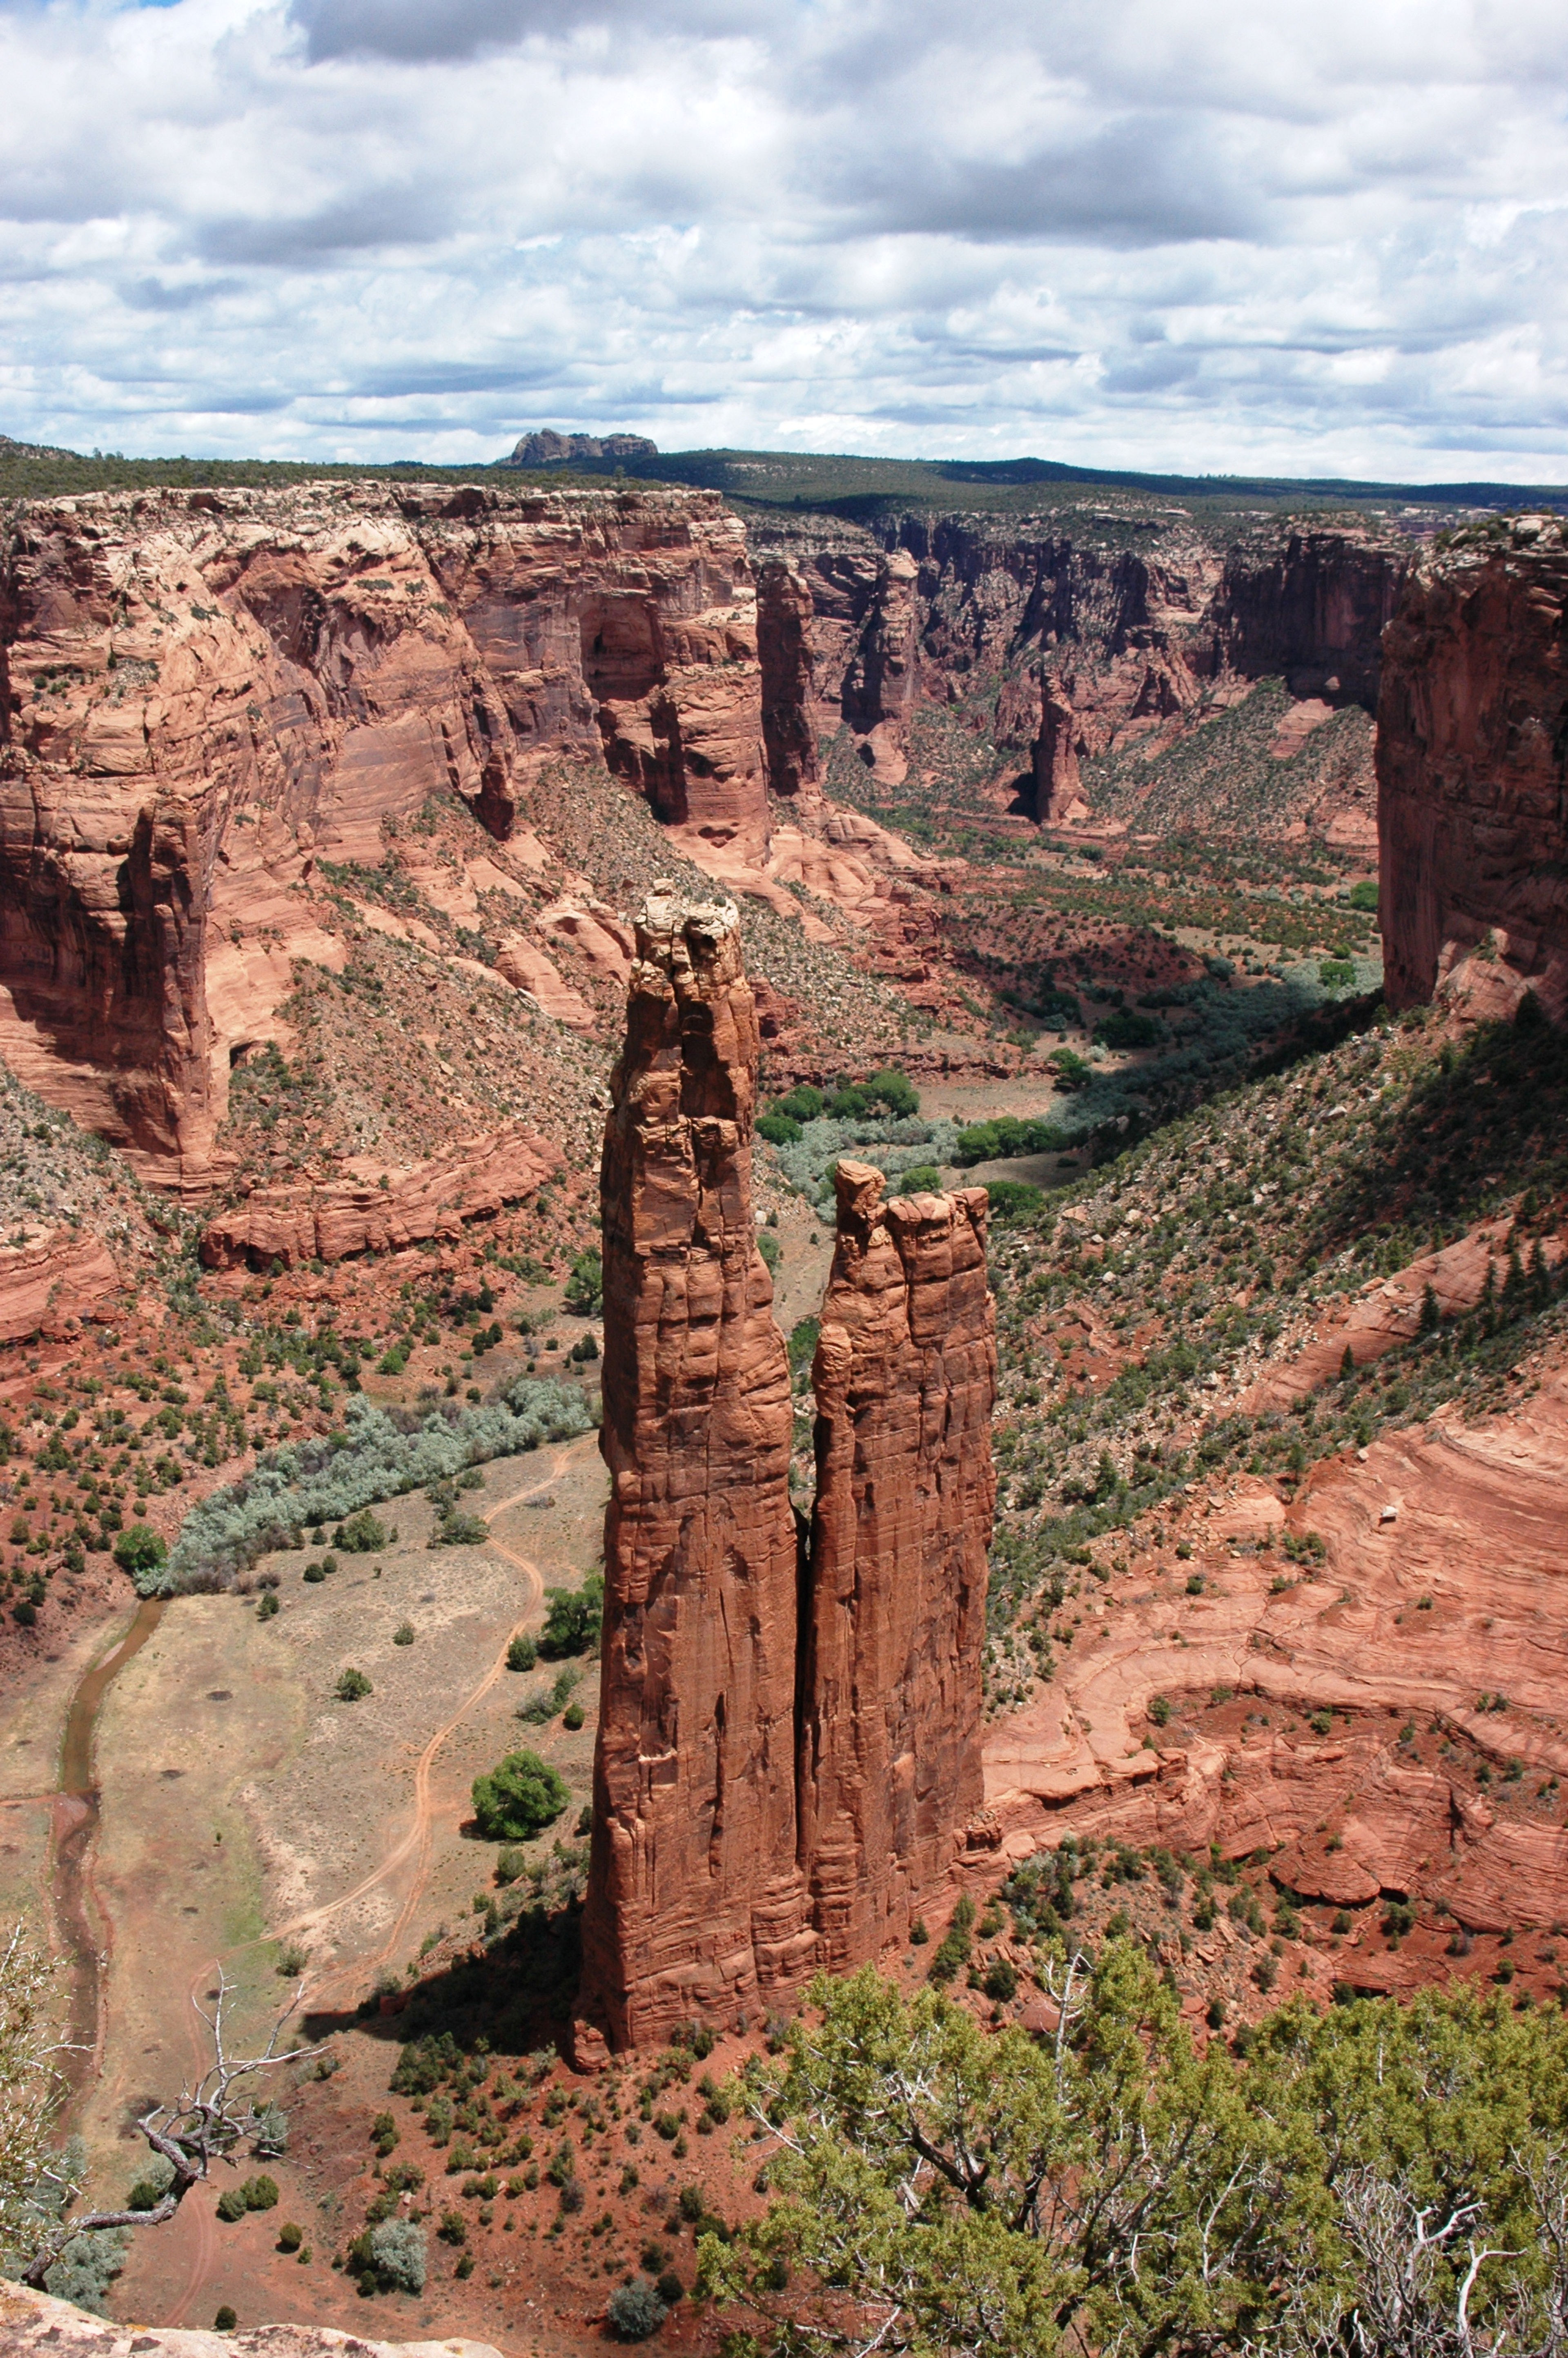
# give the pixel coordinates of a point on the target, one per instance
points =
(694, 1896)
(905, 1378)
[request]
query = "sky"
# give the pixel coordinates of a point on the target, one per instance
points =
(1207, 235)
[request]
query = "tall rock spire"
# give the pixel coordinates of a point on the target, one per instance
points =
(695, 1898)
(906, 1379)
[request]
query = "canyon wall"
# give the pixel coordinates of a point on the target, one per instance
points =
(206, 695)
(789, 1724)
(906, 1379)
(1473, 774)
(1089, 631)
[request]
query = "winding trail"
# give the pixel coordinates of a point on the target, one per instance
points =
(416, 1843)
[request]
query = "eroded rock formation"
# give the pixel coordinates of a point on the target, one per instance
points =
(33, 2321)
(694, 1897)
(1137, 640)
(788, 1741)
(50, 1280)
(370, 1209)
(1473, 775)
(207, 695)
(904, 1378)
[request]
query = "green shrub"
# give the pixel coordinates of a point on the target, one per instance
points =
(231, 2204)
(1335, 974)
(289, 2237)
(573, 1619)
(635, 2311)
(778, 1130)
(141, 1552)
(225, 2319)
(511, 1863)
(519, 1798)
(1006, 1135)
(803, 1338)
(352, 1686)
(314, 1574)
(802, 1103)
(584, 1286)
(521, 1654)
(404, 1634)
(572, 1716)
(920, 1179)
(1127, 1030)
(1364, 897)
(268, 1606)
(953, 1949)
(1011, 1200)
(392, 2256)
(1001, 1979)
(362, 1534)
(454, 1528)
(771, 1250)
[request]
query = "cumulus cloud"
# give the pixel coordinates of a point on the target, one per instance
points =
(1160, 232)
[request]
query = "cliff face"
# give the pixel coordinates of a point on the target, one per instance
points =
(905, 1378)
(1133, 626)
(207, 695)
(1473, 775)
(788, 1740)
(695, 1899)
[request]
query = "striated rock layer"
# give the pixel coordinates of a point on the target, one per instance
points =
(905, 1378)
(1473, 775)
(1131, 645)
(357, 1214)
(695, 1899)
(788, 1740)
(208, 694)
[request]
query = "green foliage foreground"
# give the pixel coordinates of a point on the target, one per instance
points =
(1384, 2179)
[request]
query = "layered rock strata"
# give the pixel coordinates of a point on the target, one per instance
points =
(906, 1379)
(694, 1897)
(50, 1280)
(35, 2320)
(1473, 775)
(788, 1742)
(1131, 643)
(208, 695)
(364, 1212)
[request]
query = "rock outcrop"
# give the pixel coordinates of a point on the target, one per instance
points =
(1473, 775)
(52, 1280)
(35, 2320)
(788, 1733)
(1058, 789)
(362, 1211)
(904, 1379)
(695, 1898)
(210, 694)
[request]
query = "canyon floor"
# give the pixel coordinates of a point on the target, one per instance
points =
(1274, 1659)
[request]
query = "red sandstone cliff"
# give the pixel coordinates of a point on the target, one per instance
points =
(1137, 641)
(382, 1210)
(788, 1740)
(695, 1901)
(207, 694)
(1473, 774)
(905, 1378)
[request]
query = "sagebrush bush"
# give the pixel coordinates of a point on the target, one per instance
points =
(379, 1454)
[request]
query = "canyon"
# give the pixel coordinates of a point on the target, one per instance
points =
(788, 1744)
(209, 699)
(215, 704)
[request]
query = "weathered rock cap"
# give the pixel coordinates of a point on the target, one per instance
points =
(35, 2320)
(679, 939)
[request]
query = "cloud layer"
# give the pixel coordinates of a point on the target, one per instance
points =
(1195, 234)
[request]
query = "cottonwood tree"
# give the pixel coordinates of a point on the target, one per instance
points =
(216, 2121)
